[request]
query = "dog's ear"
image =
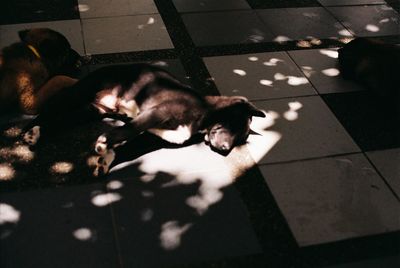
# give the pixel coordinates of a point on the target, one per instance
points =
(22, 35)
(253, 110)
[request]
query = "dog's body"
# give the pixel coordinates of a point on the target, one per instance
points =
(156, 101)
(34, 69)
(373, 64)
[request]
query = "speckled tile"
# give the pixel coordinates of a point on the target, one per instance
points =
(299, 128)
(59, 228)
(302, 23)
(134, 33)
(70, 28)
(376, 20)
(102, 8)
(332, 199)
(209, 5)
(387, 163)
(207, 29)
(258, 76)
(320, 66)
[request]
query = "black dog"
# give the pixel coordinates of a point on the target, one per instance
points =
(150, 99)
(34, 69)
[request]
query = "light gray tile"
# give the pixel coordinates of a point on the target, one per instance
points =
(302, 23)
(368, 20)
(134, 33)
(321, 68)
(209, 5)
(57, 228)
(207, 29)
(180, 205)
(71, 29)
(387, 162)
(332, 199)
(113, 8)
(349, 2)
(258, 76)
(298, 128)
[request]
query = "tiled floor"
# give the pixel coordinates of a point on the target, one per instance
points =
(317, 185)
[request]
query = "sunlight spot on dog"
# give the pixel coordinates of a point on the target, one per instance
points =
(151, 20)
(303, 43)
(8, 214)
(239, 72)
(330, 53)
(102, 200)
(331, 72)
(171, 234)
(7, 172)
(61, 167)
(372, 28)
(345, 32)
(281, 39)
(253, 58)
(114, 185)
(267, 83)
(17, 152)
(292, 113)
(83, 8)
(12, 132)
(146, 214)
(83, 234)
(272, 62)
(205, 197)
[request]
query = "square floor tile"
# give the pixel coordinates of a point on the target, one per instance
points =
(369, 120)
(387, 163)
(301, 128)
(209, 5)
(67, 227)
(134, 33)
(113, 8)
(258, 76)
(350, 2)
(179, 205)
(320, 66)
(302, 23)
(368, 20)
(224, 28)
(25, 11)
(282, 3)
(70, 28)
(332, 199)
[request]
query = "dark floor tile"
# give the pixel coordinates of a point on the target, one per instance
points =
(22, 11)
(370, 121)
(282, 3)
(209, 5)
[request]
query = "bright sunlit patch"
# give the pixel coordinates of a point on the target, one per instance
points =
(114, 185)
(303, 43)
(17, 152)
(83, 8)
(253, 58)
(345, 32)
(385, 20)
(308, 71)
(267, 83)
(239, 72)
(61, 167)
(12, 132)
(296, 81)
(272, 62)
(331, 72)
(8, 214)
(292, 113)
(102, 200)
(151, 20)
(282, 39)
(83, 234)
(330, 53)
(7, 172)
(171, 234)
(372, 28)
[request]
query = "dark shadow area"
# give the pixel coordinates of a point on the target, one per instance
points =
(258, 4)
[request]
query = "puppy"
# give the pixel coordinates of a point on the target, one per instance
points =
(34, 69)
(150, 99)
(373, 64)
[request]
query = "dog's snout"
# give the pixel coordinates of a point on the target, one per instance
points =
(224, 147)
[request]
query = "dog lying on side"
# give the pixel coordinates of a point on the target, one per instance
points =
(146, 98)
(34, 69)
(374, 65)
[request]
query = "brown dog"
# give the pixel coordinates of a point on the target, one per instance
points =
(34, 69)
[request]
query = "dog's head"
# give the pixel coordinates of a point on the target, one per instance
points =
(54, 50)
(229, 125)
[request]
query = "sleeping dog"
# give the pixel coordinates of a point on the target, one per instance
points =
(146, 98)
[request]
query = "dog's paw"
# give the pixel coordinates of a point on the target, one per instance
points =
(101, 145)
(32, 136)
(103, 163)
